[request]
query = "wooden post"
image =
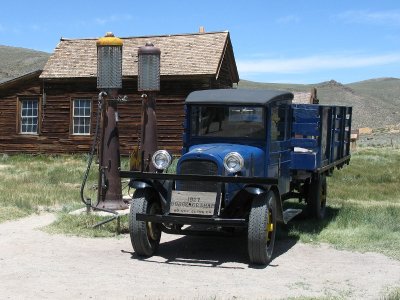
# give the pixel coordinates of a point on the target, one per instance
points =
(313, 97)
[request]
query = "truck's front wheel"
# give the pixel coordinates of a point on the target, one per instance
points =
(262, 228)
(145, 236)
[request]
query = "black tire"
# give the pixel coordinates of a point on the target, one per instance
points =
(145, 236)
(262, 228)
(316, 202)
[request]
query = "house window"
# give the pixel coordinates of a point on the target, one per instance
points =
(29, 116)
(81, 116)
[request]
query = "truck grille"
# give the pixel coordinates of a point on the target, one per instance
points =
(198, 167)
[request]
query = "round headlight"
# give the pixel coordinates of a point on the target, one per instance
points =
(233, 162)
(161, 159)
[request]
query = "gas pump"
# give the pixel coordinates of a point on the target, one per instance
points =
(109, 81)
(148, 84)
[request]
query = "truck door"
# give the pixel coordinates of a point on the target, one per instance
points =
(279, 150)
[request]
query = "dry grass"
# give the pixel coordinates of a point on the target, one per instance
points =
(364, 206)
(363, 199)
(33, 183)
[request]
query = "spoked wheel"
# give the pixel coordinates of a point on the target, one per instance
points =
(145, 236)
(316, 202)
(262, 228)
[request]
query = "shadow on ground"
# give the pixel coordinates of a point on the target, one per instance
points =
(211, 251)
(225, 251)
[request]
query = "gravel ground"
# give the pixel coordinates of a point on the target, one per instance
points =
(37, 265)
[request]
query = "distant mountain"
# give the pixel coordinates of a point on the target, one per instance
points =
(376, 102)
(15, 62)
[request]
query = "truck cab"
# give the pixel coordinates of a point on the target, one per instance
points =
(244, 153)
(246, 129)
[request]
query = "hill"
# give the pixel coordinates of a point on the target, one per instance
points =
(15, 62)
(376, 102)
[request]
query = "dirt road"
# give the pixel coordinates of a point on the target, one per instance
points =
(36, 265)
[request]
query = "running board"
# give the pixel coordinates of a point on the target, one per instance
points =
(290, 214)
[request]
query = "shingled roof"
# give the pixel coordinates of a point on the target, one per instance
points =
(181, 55)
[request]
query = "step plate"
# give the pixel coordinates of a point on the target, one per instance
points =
(290, 214)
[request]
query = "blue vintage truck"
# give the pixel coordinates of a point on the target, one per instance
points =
(244, 153)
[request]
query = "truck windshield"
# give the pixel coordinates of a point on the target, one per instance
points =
(228, 121)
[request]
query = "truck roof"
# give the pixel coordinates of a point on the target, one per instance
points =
(237, 96)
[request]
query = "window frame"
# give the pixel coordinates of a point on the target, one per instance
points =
(194, 130)
(280, 131)
(19, 119)
(72, 116)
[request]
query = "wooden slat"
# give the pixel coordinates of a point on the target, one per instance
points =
(55, 136)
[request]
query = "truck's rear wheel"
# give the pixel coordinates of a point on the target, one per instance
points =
(316, 203)
(262, 228)
(145, 236)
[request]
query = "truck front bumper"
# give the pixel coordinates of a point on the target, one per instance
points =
(192, 220)
(138, 175)
(183, 219)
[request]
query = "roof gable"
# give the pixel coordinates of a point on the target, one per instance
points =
(18, 80)
(181, 55)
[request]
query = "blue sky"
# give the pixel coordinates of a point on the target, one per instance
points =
(274, 41)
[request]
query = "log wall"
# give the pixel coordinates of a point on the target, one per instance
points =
(55, 134)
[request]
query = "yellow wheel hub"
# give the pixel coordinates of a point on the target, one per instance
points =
(270, 226)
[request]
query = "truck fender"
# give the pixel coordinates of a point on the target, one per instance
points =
(163, 190)
(139, 184)
(279, 207)
(255, 190)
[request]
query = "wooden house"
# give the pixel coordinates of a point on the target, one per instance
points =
(53, 110)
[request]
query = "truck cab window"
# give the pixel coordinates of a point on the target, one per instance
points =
(278, 120)
(228, 121)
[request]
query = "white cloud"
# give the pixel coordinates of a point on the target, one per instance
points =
(315, 63)
(288, 19)
(21, 29)
(35, 27)
(113, 19)
(388, 17)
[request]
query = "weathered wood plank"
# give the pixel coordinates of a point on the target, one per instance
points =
(55, 135)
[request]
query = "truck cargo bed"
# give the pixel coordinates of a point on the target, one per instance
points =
(321, 136)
